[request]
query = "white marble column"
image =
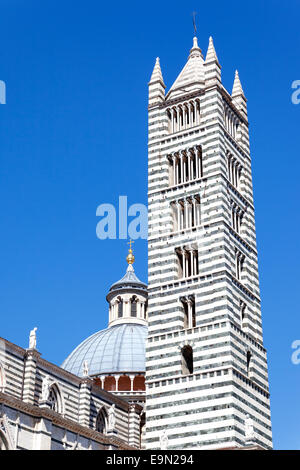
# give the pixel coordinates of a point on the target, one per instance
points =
(190, 114)
(131, 380)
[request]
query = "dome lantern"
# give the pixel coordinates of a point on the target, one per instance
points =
(127, 297)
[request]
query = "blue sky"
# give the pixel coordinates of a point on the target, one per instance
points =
(73, 135)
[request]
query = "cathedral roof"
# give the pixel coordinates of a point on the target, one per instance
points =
(120, 348)
(191, 77)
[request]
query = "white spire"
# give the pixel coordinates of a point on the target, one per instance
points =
(195, 51)
(237, 89)
(156, 86)
(156, 74)
(211, 55)
(191, 78)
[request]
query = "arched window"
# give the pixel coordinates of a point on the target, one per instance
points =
(120, 307)
(187, 366)
(133, 303)
(101, 421)
(55, 399)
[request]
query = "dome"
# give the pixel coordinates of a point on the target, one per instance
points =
(120, 348)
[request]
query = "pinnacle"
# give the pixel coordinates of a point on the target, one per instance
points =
(211, 55)
(195, 51)
(237, 89)
(156, 74)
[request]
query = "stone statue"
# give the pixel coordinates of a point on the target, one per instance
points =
(85, 368)
(164, 440)
(111, 417)
(32, 338)
(45, 388)
(249, 430)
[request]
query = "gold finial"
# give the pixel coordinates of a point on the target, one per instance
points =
(130, 256)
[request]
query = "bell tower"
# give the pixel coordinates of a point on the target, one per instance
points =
(206, 375)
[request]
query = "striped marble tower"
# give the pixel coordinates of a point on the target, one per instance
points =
(206, 374)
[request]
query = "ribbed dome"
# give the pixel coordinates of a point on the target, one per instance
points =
(120, 348)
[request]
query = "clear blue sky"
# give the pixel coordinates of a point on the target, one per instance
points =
(73, 135)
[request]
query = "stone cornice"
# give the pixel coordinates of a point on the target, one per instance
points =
(182, 98)
(60, 421)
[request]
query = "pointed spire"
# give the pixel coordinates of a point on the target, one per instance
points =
(238, 97)
(191, 77)
(237, 89)
(195, 51)
(157, 74)
(211, 64)
(156, 85)
(211, 55)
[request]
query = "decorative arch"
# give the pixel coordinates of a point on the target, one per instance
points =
(110, 383)
(101, 420)
(139, 383)
(124, 383)
(55, 398)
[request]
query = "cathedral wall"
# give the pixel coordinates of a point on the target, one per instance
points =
(65, 420)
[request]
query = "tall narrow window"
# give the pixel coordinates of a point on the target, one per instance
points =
(54, 399)
(101, 421)
(249, 355)
(242, 311)
(187, 365)
(133, 306)
(239, 263)
(185, 315)
(193, 313)
(120, 308)
(189, 311)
